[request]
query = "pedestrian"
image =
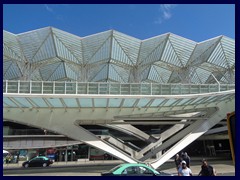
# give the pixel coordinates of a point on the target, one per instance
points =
(45, 131)
(187, 159)
(184, 170)
(178, 161)
(8, 159)
(206, 169)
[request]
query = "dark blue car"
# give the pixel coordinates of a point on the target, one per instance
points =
(39, 161)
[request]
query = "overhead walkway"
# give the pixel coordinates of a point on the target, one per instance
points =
(62, 107)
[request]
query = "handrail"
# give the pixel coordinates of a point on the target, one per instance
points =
(111, 88)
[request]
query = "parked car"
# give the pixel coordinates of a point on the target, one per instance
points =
(134, 169)
(39, 161)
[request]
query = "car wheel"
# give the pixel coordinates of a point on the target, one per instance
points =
(26, 165)
(44, 165)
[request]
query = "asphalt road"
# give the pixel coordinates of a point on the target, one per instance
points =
(224, 168)
(58, 171)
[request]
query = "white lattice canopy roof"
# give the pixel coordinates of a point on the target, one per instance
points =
(50, 54)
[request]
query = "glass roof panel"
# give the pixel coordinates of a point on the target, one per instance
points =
(156, 102)
(182, 102)
(23, 101)
(69, 45)
(102, 53)
(71, 71)
(217, 57)
(119, 74)
(45, 51)
(197, 100)
(115, 102)
(118, 53)
(129, 102)
(53, 71)
(203, 50)
(170, 56)
(143, 102)
(151, 49)
(11, 71)
(183, 47)
(129, 45)
(85, 102)
(91, 44)
(70, 102)
(228, 46)
(59, 73)
(80, 58)
(155, 55)
(9, 102)
(159, 74)
(11, 47)
(39, 102)
(99, 73)
(170, 102)
(55, 102)
(100, 102)
(144, 73)
(31, 41)
(202, 74)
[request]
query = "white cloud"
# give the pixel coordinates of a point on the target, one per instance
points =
(166, 13)
(48, 8)
(54, 13)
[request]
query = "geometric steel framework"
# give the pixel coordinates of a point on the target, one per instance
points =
(50, 54)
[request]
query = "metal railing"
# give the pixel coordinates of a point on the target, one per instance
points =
(64, 87)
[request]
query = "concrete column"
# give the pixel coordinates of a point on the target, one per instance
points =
(60, 156)
(66, 155)
(158, 155)
(72, 153)
(89, 152)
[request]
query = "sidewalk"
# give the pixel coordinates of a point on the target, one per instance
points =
(222, 167)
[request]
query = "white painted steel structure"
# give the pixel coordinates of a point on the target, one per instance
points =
(50, 54)
(58, 81)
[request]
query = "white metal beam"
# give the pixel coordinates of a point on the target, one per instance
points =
(198, 129)
(60, 122)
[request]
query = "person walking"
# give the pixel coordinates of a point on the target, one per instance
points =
(184, 170)
(187, 159)
(178, 161)
(206, 169)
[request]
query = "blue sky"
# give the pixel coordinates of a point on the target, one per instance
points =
(197, 22)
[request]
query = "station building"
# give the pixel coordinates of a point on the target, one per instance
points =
(132, 99)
